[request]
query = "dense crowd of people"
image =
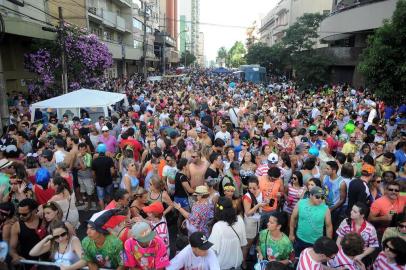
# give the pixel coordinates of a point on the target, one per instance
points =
(204, 171)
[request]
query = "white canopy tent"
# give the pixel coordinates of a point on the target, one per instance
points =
(82, 98)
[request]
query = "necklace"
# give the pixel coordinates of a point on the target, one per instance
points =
(60, 258)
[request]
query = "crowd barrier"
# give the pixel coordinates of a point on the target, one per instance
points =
(45, 263)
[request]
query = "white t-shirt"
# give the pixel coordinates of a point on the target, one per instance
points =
(187, 260)
(227, 245)
(225, 136)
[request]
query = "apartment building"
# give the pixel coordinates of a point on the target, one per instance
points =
(346, 31)
(285, 14)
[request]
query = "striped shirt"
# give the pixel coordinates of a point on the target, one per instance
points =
(368, 234)
(381, 263)
(262, 170)
(306, 262)
(342, 260)
(292, 199)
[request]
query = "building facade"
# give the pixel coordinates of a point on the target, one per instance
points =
(285, 14)
(346, 31)
(200, 55)
(189, 11)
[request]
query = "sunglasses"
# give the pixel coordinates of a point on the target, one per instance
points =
(393, 190)
(294, 178)
(388, 247)
(318, 197)
(402, 226)
(168, 160)
(24, 214)
(60, 235)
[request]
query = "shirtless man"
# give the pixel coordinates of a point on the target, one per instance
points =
(197, 169)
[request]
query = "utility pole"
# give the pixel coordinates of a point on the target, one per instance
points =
(144, 47)
(164, 47)
(63, 57)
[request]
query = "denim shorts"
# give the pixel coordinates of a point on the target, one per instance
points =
(102, 191)
(184, 202)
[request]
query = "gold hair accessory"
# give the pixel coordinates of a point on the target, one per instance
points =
(229, 188)
(219, 206)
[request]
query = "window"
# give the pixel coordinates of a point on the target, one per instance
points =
(137, 44)
(137, 24)
(149, 29)
(108, 35)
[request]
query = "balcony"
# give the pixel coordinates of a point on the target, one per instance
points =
(120, 24)
(124, 3)
(127, 52)
(109, 18)
(356, 18)
(95, 14)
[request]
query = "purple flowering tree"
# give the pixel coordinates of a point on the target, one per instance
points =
(86, 59)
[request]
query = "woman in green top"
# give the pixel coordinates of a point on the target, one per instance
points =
(273, 244)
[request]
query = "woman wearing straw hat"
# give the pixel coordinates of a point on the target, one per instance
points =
(202, 212)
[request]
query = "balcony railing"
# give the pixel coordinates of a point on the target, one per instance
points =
(349, 4)
(110, 19)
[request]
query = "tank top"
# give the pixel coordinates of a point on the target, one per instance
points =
(30, 238)
(311, 221)
(68, 257)
(332, 189)
(157, 199)
(134, 182)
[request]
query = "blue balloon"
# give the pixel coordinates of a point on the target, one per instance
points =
(42, 177)
(101, 148)
(314, 151)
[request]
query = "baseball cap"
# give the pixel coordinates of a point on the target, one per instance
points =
(200, 241)
(101, 148)
(142, 232)
(369, 169)
(105, 128)
(317, 191)
(273, 158)
(155, 208)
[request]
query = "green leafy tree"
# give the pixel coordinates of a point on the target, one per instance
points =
(187, 58)
(221, 55)
(309, 65)
(272, 58)
(383, 62)
(236, 54)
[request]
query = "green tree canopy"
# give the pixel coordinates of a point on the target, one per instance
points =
(383, 62)
(309, 65)
(236, 54)
(188, 57)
